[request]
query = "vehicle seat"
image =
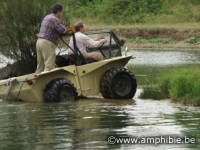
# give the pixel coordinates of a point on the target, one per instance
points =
(62, 61)
(81, 61)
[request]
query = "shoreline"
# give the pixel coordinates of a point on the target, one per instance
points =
(177, 39)
(163, 47)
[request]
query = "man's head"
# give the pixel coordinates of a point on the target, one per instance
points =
(80, 27)
(58, 10)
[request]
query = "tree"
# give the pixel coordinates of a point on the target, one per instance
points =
(20, 22)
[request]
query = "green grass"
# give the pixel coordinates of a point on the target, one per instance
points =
(181, 85)
(91, 24)
(140, 40)
(153, 93)
(193, 40)
(148, 75)
(98, 14)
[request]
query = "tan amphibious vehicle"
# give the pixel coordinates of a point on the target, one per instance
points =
(76, 76)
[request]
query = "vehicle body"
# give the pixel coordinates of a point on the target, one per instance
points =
(86, 79)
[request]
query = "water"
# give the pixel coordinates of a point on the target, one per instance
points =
(164, 58)
(87, 123)
(148, 64)
(5, 61)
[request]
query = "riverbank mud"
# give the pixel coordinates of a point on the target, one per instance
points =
(179, 37)
(158, 33)
(181, 45)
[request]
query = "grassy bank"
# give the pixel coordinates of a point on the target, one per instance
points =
(139, 40)
(148, 75)
(167, 43)
(181, 85)
(129, 11)
(155, 36)
(95, 25)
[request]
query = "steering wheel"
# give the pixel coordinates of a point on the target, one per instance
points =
(101, 38)
(99, 48)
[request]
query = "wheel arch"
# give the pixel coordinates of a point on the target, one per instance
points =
(44, 78)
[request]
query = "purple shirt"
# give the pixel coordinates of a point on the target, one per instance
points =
(51, 28)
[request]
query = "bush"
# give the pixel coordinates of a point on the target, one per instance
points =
(152, 93)
(133, 11)
(182, 85)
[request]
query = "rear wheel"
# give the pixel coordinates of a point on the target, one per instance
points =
(60, 90)
(118, 83)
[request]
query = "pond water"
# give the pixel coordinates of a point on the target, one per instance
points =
(87, 123)
(164, 58)
(148, 64)
(5, 61)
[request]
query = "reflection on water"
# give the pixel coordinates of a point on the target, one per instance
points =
(86, 124)
(190, 118)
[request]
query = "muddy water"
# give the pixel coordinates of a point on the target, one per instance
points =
(87, 123)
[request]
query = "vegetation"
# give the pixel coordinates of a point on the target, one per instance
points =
(137, 11)
(148, 25)
(181, 85)
(20, 22)
(193, 40)
(140, 40)
(19, 28)
(153, 92)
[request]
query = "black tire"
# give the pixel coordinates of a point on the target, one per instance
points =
(60, 90)
(118, 83)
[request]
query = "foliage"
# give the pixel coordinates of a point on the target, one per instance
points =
(20, 22)
(133, 11)
(182, 85)
(152, 93)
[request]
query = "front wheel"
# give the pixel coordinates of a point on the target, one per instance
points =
(60, 90)
(118, 83)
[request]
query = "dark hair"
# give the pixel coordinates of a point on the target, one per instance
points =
(57, 8)
(79, 25)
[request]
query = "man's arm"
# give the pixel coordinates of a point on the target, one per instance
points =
(92, 43)
(59, 27)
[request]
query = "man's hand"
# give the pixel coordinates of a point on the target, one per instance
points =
(97, 39)
(65, 31)
(103, 41)
(72, 28)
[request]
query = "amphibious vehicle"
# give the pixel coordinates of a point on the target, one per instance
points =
(77, 77)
